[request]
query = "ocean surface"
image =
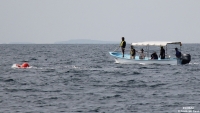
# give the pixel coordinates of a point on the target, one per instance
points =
(85, 78)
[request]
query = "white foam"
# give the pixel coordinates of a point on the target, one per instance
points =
(14, 66)
(74, 67)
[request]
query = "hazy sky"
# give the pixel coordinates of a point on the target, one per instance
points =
(49, 21)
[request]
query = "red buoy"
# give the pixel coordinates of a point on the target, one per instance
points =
(25, 65)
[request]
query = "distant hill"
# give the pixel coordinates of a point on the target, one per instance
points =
(86, 41)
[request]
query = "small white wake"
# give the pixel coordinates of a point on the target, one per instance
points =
(193, 63)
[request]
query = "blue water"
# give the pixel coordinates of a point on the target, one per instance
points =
(85, 78)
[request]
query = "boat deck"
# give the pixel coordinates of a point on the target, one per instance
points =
(127, 56)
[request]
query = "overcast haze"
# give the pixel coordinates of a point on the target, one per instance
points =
(49, 21)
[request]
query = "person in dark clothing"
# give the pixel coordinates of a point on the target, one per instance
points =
(162, 53)
(132, 53)
(178, 53)
(154, 56)
(123, 45)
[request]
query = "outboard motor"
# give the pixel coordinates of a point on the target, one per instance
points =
(186, 58)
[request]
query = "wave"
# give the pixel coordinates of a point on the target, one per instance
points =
(94, 68)
(194, 63)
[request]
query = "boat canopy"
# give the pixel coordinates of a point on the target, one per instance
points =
(155, 43)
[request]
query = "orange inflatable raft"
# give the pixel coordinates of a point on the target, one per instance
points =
(24, 65)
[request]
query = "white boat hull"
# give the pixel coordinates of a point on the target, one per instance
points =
(126, 60)
(132, 61)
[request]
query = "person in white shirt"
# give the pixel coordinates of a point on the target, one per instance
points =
(142, 54)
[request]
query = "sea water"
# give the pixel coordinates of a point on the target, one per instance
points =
(85, 78)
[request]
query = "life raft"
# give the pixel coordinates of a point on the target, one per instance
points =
(24, 65)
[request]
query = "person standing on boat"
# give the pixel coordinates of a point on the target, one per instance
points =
(123, 45)
(132, 53)
(162, 53)
(142, 55)
(178, 53)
